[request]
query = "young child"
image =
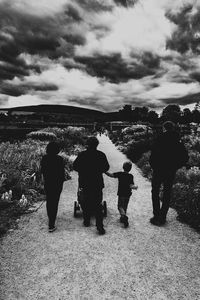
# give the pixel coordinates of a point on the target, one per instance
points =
(125, 186)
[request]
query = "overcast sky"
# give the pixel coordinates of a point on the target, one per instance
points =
(100, 54)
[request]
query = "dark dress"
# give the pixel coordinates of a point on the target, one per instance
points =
(52, 168)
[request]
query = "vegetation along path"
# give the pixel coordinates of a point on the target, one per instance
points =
(74, 262)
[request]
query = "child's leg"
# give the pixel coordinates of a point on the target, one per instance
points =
(126, 201)
(121, 206)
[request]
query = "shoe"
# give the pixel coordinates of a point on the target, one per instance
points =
(126, 224)
(52, 229)
(157, 222)
(101, 230)
(121, 219)
(162, 221)
(86, 223)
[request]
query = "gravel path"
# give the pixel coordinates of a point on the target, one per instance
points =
(74, 262)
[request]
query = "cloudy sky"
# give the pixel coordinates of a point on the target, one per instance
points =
(100, 54)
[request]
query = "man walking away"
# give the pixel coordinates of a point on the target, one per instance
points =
(167, 156)
(90, 165)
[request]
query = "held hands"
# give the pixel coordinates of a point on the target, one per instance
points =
(109, 174)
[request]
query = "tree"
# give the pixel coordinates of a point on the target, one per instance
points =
(171, 112)
(126, 113)
(152, 117)
(187, 116)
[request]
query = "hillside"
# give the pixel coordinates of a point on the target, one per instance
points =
(55, 109)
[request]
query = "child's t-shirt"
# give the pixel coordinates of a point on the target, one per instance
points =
(125, 180)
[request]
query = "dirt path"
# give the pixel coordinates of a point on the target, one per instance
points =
(140, 262)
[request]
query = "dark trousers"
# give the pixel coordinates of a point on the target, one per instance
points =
(52, 200)
(157, 180)
(123, 204)
(91, 205)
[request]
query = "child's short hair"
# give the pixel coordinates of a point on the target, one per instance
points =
(127, 165)
(53, 148)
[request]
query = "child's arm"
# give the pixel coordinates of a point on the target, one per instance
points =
(110, 174)
(133, 186)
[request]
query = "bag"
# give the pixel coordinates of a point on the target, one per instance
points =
(80, 195)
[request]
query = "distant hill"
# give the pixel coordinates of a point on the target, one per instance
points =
(63, 109)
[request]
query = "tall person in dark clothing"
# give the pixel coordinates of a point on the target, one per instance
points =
(90, 165)
(52, 168)
(167, 156)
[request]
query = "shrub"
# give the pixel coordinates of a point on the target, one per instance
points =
(194, 158)
(135, 149)
(144, 165)
(19, 161)
(42, 135)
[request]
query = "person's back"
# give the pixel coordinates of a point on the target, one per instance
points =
(90, 165)
(52, 169)
(125, 180)
(167, 156)
(168, 153)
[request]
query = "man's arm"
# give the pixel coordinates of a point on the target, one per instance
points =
(110, 174)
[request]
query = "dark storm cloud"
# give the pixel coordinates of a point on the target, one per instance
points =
(184, 37)
(14, 67)
(195, 76)
(75, 39)
(11, 90)
(72, 64)
(9, 71)
(22, 33)
(72, 14)
(94, 6)
(44, 87)
(121, 2)
(22, 89)
(189, 99)
(115, 69)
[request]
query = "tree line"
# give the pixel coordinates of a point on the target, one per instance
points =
(171, 112)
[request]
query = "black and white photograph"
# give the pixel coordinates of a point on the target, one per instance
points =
(99, 149)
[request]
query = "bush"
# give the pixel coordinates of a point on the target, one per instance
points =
(135, 149)
(144, 165)
(19, 161)
(42, 135)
